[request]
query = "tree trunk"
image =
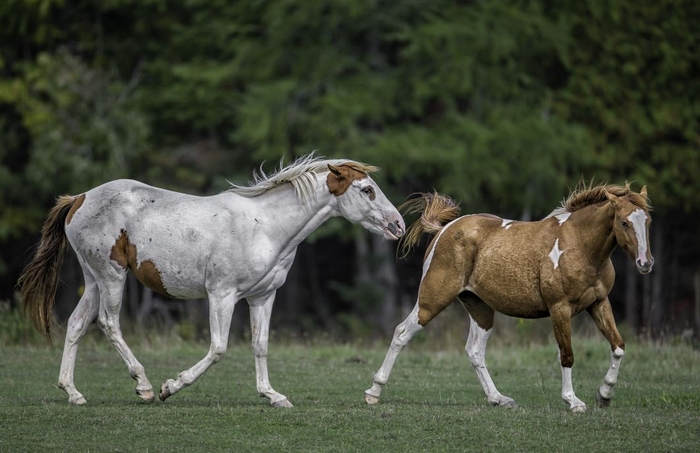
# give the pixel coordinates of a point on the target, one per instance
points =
(631, 297)
(658, 301)
(696, 285)
(387, 279)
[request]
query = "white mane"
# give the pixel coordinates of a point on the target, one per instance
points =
(301, 174)
(558, 211)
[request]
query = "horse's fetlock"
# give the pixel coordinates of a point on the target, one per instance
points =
(136, 371)
(380, 379)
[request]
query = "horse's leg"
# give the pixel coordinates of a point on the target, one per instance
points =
(602, 315)
(111, 286)
(480, 328)
(220, 313)
(440, 286)
(561, 322)
(260, 312)
(403, 333)
(81, 318)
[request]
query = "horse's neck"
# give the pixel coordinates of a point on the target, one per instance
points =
(290, 219)
(595, 226)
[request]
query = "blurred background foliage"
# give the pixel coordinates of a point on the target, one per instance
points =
(503, 105)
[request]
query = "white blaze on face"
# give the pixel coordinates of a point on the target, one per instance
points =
(555, 254)
(638, 220)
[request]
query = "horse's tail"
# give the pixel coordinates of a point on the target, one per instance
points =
(436, 210)
(39, 279)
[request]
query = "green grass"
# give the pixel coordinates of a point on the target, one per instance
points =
(433, 401)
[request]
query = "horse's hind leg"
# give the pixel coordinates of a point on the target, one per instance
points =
(602, 315)
(403, 334)
(81, 318)
(481, 318)
(439, 288)
(111, 286)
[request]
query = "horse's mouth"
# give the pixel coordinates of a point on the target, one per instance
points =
(646, 267)
(393, 231)
(644, 270)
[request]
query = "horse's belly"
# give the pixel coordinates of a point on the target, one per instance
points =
(174, 278)
(509, 290)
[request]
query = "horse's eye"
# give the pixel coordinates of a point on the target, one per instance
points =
(368, 191)
(625, 224)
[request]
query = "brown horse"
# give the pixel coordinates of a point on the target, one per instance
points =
(556, 267)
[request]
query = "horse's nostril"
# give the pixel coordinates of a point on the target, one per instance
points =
(399, 229)
(395, 228)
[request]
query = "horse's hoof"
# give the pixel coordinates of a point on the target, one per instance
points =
(78, 401)
(509, 403)
(147, 395)
(371, 399)
(578, 409)
(164, 390)
(601, 401)
(282, 403)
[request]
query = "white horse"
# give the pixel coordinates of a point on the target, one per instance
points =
(236, 245)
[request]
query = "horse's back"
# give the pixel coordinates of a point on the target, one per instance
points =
(132, 214)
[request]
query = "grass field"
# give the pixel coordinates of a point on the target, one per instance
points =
(432, 403)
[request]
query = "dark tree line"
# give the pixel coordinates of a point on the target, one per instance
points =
(501, 105)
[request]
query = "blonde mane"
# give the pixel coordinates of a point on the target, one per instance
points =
(587, 194)
(300, 174)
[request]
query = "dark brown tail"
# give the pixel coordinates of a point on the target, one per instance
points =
(39, 279)
(436, 210)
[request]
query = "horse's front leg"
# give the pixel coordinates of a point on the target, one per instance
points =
(220, 312)
(260, 312)
(602, 315)
(561, 323)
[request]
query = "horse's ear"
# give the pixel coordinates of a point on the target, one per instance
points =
(612, 198)
(643, 192)
(335, 171)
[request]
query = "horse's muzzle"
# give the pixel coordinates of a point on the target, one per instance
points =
(644, 268)
(395, 229)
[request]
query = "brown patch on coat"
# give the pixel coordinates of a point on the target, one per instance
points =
(125, 253)
(76, 205)
(341, 177)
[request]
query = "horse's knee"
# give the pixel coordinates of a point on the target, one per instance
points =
(259, 350)
(619, 352)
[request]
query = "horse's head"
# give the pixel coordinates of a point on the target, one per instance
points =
(631, 227)
(361, 201)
